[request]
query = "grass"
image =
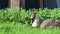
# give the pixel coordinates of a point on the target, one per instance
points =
(18, 28)
(13, 16)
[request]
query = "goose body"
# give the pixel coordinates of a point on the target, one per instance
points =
(51, 22)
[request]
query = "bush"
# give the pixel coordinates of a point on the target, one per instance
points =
(23, 16)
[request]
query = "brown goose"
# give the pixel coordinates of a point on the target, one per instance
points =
(52, 22)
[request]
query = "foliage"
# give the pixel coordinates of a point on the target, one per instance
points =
(11, 20)
(23, 16)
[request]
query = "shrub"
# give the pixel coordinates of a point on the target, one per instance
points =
(23, 16)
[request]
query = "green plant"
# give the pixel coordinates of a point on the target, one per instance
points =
(23, 16)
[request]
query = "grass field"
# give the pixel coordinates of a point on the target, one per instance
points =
(15, 21)
(18, 28)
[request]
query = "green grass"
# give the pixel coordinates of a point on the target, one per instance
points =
(18, 28)
(15, 21)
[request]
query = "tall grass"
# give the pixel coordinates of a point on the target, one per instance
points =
(23, 16)
(17, 28)
(15, 21)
